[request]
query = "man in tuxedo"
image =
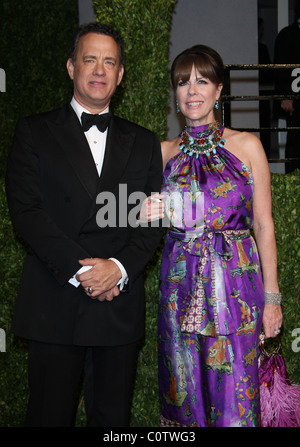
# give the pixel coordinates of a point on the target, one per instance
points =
(82, 284)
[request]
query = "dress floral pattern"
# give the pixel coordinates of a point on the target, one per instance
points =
(211, 294)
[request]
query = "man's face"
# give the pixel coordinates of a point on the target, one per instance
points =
(96, 72)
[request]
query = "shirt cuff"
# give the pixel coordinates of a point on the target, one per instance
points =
(124, 278)
(83, 269)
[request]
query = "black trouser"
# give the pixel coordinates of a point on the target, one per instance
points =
(55, 373)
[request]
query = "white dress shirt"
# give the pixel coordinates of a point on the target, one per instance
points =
(97, 142)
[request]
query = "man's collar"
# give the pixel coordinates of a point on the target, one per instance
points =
(78, 108)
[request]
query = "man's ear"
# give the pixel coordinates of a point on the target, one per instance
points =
(121, 73)
(70, 68)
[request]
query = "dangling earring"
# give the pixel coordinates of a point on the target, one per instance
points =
(177, 107)
(217, 104)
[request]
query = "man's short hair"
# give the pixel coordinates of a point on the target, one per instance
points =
(98, 28)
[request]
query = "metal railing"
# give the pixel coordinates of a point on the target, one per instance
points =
(227, 99)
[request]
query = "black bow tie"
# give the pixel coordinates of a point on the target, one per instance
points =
(101, 121)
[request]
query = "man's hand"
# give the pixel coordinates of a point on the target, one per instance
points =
(109, 295)
(100, 281)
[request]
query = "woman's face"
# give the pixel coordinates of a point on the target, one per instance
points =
(196, 99)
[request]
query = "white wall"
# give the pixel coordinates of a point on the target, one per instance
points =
(230, 27)
(85, 12)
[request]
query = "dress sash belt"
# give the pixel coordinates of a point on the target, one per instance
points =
(205, 245)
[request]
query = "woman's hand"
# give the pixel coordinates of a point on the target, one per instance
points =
(272, 320)
(152, 208)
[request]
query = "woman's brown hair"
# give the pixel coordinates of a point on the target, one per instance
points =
(206, 61)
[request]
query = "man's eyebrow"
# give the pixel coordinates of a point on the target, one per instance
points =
(92, 56)
(111, 58)
(89, 56)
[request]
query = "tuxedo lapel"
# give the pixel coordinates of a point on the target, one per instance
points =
(68, 132)
(118, 149)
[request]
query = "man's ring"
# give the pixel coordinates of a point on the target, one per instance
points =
(90, 289)
(276, 331)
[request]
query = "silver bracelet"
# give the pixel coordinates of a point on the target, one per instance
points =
(273, 298)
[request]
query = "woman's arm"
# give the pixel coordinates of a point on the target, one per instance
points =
(263, 226)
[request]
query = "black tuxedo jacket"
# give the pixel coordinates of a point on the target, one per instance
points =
(52, 188)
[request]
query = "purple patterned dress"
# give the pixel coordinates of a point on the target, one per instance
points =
(211, 294)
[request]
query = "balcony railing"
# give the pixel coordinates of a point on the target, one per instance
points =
(227, 99)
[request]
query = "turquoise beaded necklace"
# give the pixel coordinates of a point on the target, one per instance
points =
(205, 141)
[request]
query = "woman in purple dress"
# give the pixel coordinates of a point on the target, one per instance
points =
(213, 298)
